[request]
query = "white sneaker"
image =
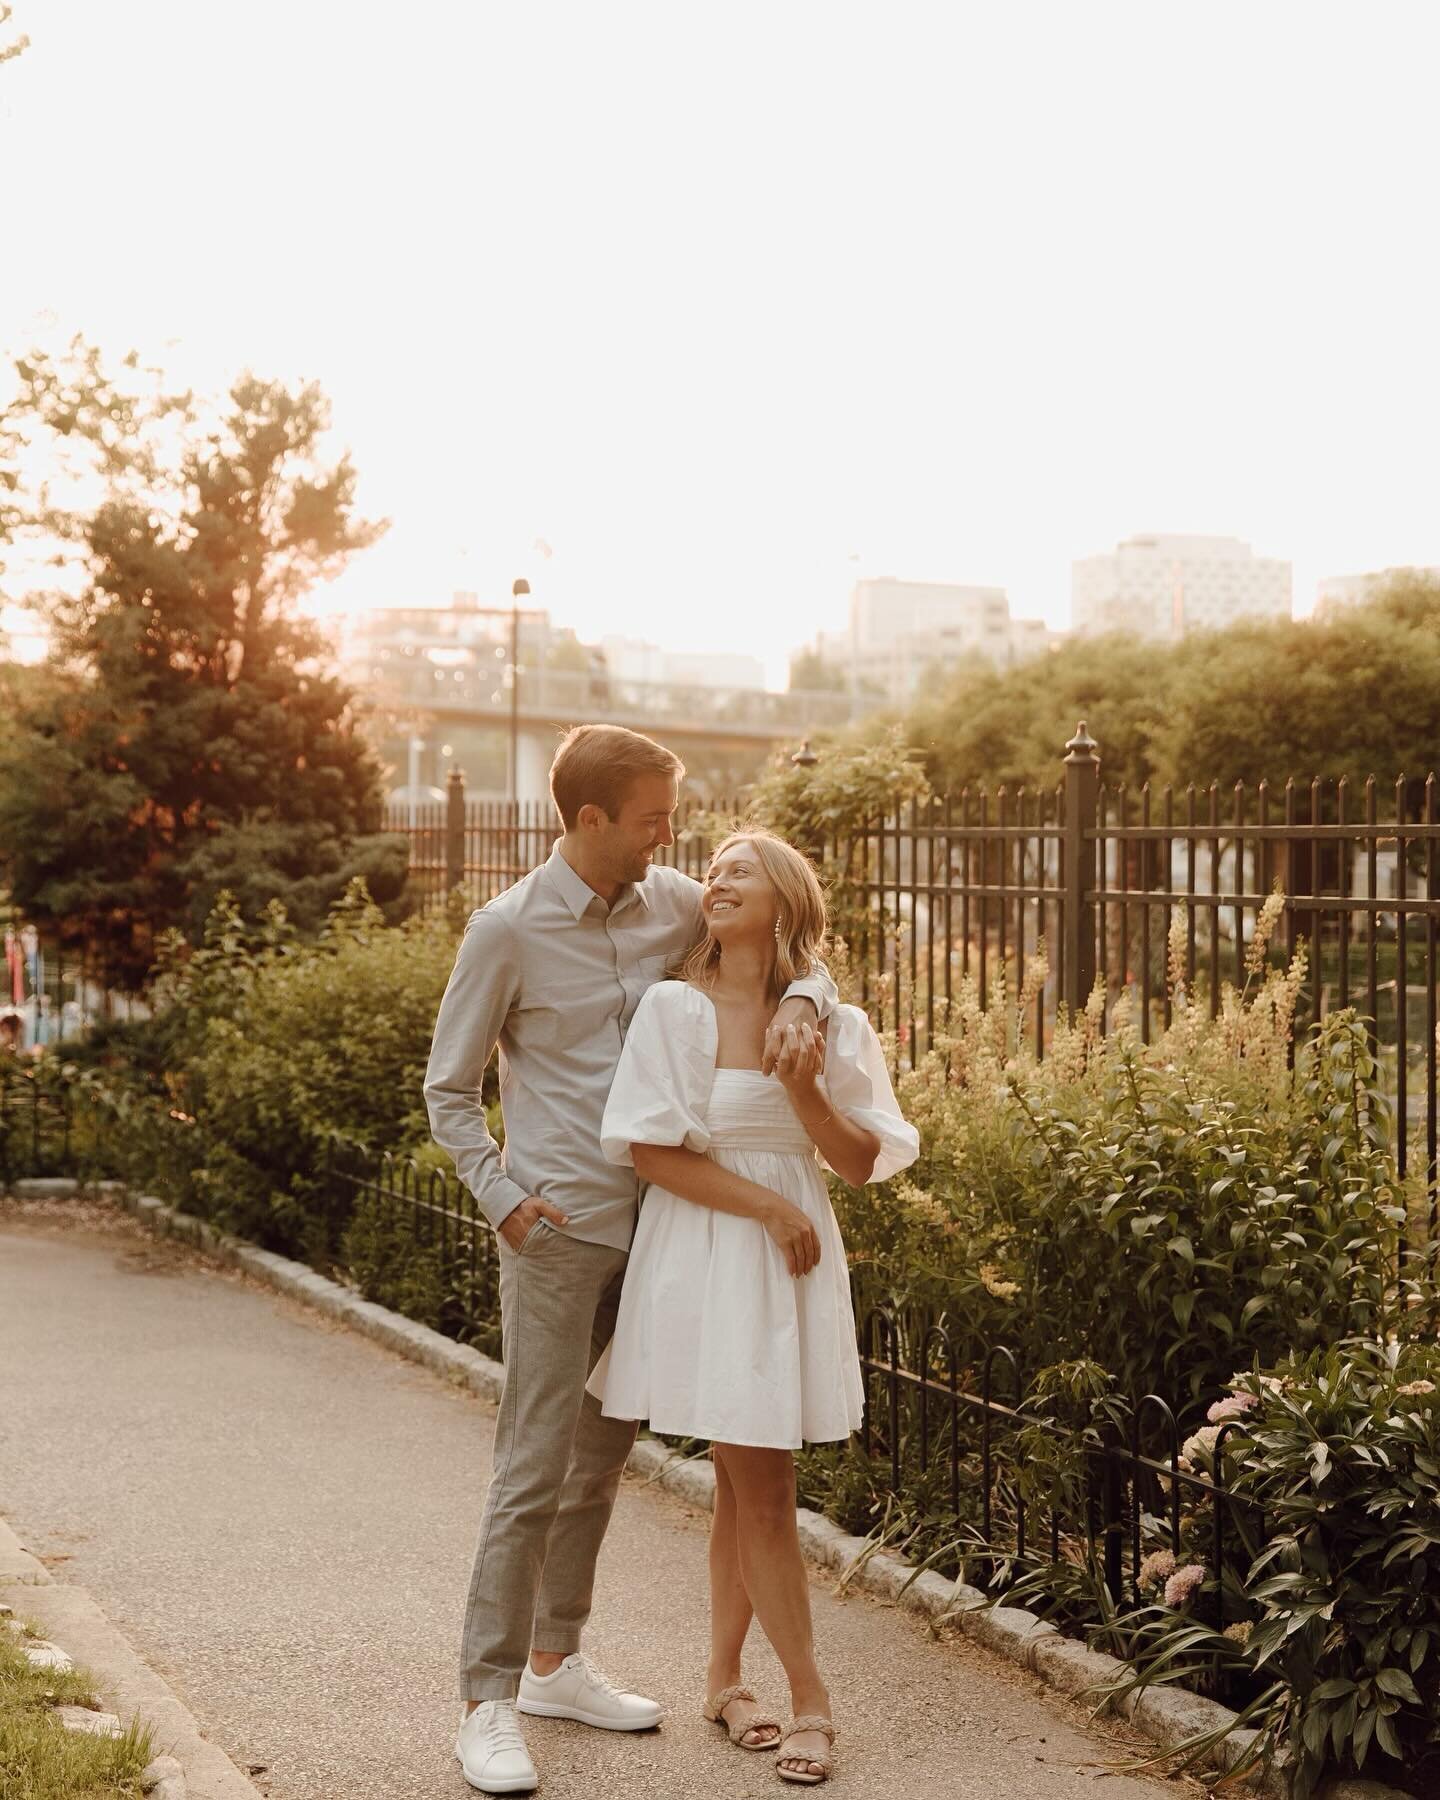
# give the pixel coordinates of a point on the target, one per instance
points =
(577, 1690)
(492, 1751)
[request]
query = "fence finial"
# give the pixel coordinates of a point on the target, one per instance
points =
(1082, 746)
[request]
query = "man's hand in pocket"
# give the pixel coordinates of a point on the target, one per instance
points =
(515, 1227)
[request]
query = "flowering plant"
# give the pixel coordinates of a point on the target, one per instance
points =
(1338, 1635)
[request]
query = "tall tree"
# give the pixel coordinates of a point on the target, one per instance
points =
(190, 737)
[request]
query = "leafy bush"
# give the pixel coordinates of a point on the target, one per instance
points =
(264, 1046)
(1342, 1452)
(1330, 1635)
(1164, 1210)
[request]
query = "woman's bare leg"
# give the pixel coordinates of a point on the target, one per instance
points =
(730, 1609)
(772, 1569)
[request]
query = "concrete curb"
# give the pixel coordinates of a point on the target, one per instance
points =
(1166, 1715)
(186, 1766)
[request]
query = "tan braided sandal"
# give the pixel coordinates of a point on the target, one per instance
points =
(826, 1763)
(714, 1710)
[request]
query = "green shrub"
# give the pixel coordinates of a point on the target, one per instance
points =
(1167, 1211)
(1331, 1633)
(261, 1048)
(447, 1280)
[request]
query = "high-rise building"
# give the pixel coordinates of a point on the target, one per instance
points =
(1162, 586)
(1336, 591)
(901, 629)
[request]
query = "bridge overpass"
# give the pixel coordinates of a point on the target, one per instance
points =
(691, 719)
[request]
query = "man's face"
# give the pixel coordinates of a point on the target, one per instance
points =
(642, 827)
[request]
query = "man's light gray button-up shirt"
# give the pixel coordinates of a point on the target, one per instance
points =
(553, 975)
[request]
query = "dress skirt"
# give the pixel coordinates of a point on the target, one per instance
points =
(715, 1337)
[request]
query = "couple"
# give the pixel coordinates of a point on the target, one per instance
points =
(654, 1031)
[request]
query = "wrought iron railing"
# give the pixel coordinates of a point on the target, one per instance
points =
(932, 1405)
(974, 884)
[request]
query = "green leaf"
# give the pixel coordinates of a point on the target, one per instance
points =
(1397, 1682)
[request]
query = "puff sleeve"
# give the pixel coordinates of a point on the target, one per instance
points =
(859, 1086)
(662, 1084)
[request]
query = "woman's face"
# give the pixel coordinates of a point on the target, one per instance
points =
(739, 902)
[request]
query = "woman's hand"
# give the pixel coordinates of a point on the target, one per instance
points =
(800, 1063)
(793, 1235)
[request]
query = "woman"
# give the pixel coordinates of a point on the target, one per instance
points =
(735, 1323)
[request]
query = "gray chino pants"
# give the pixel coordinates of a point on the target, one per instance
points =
(557, 1461)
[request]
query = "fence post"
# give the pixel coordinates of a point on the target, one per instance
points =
(1082, 787)
(1114, 1504)
(454, 829)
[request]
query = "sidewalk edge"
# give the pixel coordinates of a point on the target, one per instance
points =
(74, 1620)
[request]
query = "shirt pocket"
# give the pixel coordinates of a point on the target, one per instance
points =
(537, 1021)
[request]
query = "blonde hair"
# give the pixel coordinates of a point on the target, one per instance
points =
(800, 937)
(597, 764)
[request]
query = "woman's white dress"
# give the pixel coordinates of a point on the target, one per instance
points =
(715, 1338)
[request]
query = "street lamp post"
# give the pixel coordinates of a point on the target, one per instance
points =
(412, 782)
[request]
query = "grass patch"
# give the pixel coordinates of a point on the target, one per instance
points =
(39, 1759)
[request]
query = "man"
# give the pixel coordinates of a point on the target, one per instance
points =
(552, 970)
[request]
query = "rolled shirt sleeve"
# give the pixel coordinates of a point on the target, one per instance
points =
(816, 987)
(484, 984)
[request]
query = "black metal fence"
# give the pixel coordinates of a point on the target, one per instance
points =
(38, 1122)
(977, 885)
(448, 1268)
(934, 1421)
(478, 848)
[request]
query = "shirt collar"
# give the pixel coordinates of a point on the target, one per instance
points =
(577, 893)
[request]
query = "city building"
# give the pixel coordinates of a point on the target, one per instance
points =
(1162, 586)
(1337, 591)
(901, 630)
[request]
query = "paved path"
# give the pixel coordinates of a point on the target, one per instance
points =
(280, 1516)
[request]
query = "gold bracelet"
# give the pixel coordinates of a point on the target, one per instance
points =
(820, 1123)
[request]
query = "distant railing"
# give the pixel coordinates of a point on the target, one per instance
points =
(50, 990)
(569, 696)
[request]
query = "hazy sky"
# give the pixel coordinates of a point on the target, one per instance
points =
(729, 304)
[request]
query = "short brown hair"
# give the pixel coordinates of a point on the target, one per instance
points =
(596, 764)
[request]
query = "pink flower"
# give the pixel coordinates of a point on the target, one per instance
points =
(1413, 1389)
(1233, 1406)
(1183, 1583)
(1156, 1568)
(1200, 1443)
